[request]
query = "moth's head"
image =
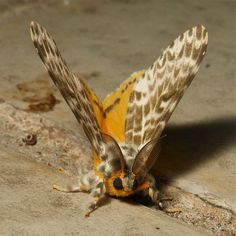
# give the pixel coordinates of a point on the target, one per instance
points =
(125, 174)
(121, 185)
(125, 182)
(130, 182)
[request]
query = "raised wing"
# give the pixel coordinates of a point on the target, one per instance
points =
(82, 101)
(158, 91)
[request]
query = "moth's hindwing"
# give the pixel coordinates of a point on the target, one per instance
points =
(115, 108)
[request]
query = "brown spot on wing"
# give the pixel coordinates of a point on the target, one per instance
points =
(137, 139)
(199, 32)
(188, 49)
(138, 96)
(146, 109)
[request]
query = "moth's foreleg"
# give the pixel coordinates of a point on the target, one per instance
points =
(152, 189)
(83, 184)
(98, 193)
(153, 194)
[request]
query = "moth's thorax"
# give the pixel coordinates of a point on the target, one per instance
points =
(109, 162)
(129, 152)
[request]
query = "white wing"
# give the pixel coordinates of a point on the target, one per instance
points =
(156, 94)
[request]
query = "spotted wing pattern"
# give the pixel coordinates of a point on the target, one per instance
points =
(158, 91)
(82, 101)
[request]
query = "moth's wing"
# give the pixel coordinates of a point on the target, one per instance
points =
(145, 158)
(156, 94)
(95, 101)
(83, 102)
(115, 108)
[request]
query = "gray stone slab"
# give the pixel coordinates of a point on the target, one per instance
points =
(29, 206)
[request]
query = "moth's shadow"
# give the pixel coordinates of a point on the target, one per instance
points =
(188, 146)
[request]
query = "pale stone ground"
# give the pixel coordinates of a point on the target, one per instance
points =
(108, 40)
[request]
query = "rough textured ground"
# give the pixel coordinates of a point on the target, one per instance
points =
(30, 207)
(106, 41)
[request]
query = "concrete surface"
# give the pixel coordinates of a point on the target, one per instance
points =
(29, 206)
(108, 40)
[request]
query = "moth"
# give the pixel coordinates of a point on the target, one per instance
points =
(125, 129)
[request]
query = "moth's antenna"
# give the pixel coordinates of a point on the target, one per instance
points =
(163, 136)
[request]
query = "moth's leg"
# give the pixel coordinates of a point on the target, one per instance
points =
(98, 193)
(152, 189)
(83, 184)
(153, 194)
